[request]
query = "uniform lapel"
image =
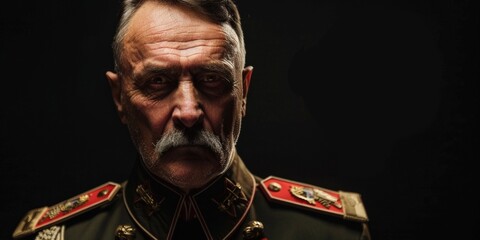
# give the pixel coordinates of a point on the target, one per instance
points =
(220, 208)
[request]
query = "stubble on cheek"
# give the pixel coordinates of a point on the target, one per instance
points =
(138, 130)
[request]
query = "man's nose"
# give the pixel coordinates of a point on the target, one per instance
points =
(188, 109)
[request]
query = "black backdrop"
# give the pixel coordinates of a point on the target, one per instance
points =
(378, 97)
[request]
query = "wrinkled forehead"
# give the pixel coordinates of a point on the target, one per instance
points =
(158, 24)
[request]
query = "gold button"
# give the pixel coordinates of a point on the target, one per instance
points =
(102, 193)
(253, 231)
(125, 232)
(274, 186)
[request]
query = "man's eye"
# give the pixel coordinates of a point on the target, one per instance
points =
(158, 81)
(213, 84)
(211, 80)
(158, 86)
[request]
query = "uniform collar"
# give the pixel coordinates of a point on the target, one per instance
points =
(220, 208)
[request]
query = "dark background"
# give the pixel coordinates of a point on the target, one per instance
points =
(376, 97)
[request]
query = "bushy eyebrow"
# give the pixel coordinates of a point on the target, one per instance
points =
(155, 70)
(217, 68)
(220, 68)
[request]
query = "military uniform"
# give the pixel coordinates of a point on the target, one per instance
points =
(235, 206)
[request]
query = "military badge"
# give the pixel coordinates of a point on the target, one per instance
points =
(41, 218)
(348, 205)
(52, 233)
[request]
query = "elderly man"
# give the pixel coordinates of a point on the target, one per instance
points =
(180, 86)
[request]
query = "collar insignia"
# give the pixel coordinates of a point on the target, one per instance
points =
(145, 195)
(232, 195)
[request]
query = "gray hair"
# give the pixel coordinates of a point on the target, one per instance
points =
(219, 11)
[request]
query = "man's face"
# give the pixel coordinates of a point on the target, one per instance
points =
(181, 93)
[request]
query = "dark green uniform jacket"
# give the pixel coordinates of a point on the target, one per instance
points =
(232, 207)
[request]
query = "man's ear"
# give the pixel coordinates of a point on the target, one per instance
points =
(116, 88)
(246, 75)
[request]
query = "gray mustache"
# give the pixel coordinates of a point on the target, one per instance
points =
(179, 138)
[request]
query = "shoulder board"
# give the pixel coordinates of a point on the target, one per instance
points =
(347, 205)
(41, 218)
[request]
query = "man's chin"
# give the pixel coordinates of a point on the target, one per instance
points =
(189, 176)
(188, 167)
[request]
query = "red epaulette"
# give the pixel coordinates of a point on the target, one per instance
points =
(41, 218)
(347, 205)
